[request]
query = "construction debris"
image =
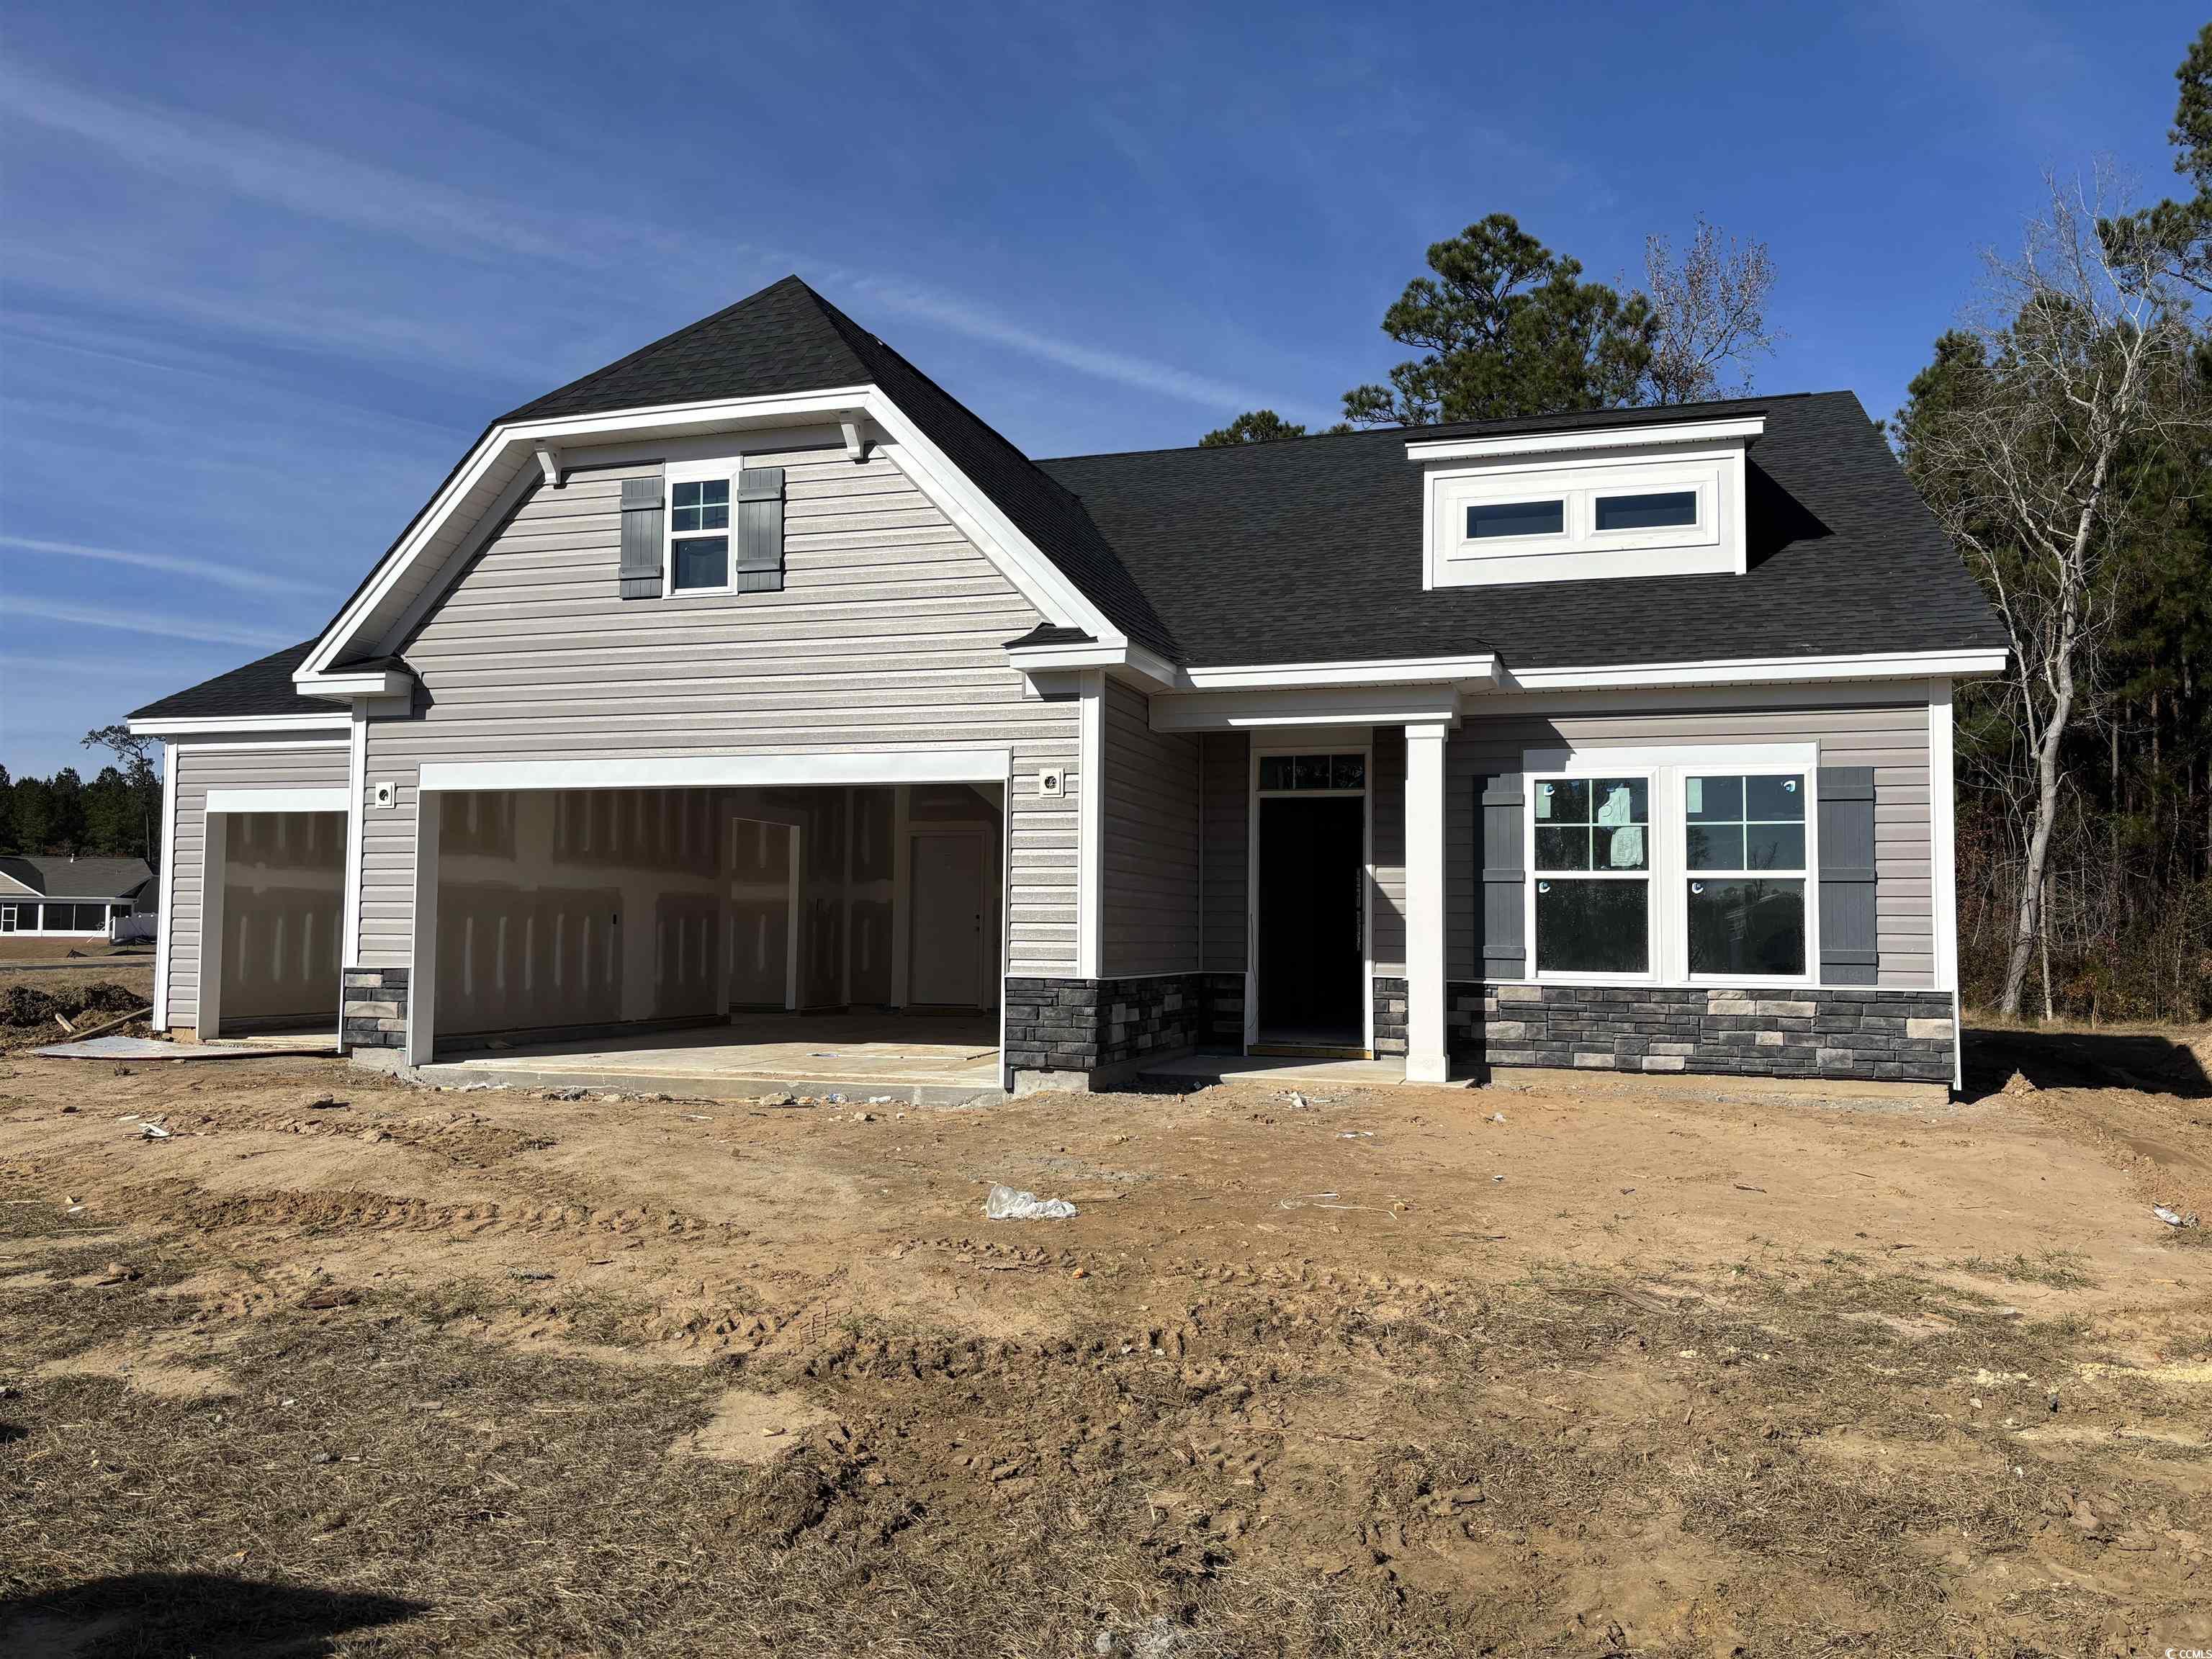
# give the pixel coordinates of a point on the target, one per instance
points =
(1006, 1204)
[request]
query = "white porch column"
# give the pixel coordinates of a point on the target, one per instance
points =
(1426, 1060)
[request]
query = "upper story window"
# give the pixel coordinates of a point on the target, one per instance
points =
(699, 534)
(1662, 500)
(1670, 509)
(1486, 520)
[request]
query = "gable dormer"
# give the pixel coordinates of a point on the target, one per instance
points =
(1657, 499)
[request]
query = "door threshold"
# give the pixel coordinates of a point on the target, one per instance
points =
(1308, 1051)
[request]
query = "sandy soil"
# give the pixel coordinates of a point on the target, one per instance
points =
(1409, 1370)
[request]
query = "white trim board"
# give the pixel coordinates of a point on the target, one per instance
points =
(1091, 822)
(795, 770)
(1753, 671)
(248, 798)
(183, 727)
(168, 889)
(1638, 435)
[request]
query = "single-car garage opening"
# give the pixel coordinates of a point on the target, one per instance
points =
(695, 934)
(271, 929)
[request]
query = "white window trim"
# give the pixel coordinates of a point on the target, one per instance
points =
(1312, 741)
(726, 469)
(1665, 768)
(1649, 875)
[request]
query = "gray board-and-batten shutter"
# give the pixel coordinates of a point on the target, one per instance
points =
(759, 529)
(643, 513)
(1850, 947)
(1503, 859)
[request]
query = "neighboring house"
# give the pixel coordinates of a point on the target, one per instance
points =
(69, 897)
(753, 669)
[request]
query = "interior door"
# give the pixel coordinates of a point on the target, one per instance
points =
(945, 967)
(1312, 920)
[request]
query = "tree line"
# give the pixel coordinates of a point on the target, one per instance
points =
(2061, 433)
(115, 815)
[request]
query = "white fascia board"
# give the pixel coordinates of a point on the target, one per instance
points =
(1741, 429)
(1261, 708)
(952, 492)
(247, 798)
(1756, 671)
(796, 770)
(183, 728)
(1479, 670)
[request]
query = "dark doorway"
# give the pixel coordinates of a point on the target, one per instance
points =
(1313, 884)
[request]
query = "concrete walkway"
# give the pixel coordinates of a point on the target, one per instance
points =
(915, 1058)
(1197, 1071)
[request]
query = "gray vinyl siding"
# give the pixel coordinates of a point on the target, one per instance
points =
(1386, 788)
(889, 632)
(240, 763)
(1225, 770)
(1891, 738)
(1149, 891)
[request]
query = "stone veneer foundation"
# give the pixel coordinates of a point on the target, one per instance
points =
(1857, 1031)
(1390, 1015)
(373, 1007)
(1097, 1030)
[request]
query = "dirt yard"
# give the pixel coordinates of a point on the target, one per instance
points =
(341, 1365)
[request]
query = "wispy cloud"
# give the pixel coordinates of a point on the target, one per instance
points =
(1124, 369)
(204, 151)
(135, 622)
(226, 575)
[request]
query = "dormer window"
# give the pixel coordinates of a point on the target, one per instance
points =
(1667, 510)
(1488, 520)
(1663, 499)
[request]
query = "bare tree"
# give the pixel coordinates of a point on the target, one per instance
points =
(2081, 368)
(1711, 314)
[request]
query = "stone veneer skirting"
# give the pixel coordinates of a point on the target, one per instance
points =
(1390, 1006)
(1104, 1025)
(1858, 1031)
(373, 1007)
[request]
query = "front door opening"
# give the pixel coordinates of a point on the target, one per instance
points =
(1312, 914)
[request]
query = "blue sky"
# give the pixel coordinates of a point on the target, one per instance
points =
(265, 272)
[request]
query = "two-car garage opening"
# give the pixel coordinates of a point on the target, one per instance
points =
(845, 930)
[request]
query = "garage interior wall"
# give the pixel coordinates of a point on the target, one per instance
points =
(283, 884)
(589, 907)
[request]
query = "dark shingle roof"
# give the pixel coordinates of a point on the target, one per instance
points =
(78, 878)
(260, 688)
(1309, 550)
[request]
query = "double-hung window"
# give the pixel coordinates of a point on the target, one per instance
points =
(1673, 866)
(699, 532)
(1743, 846)
(1593, 875)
